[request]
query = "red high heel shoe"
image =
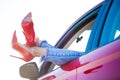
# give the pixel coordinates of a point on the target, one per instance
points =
(29, 33)
(27, 56)
(28, 30)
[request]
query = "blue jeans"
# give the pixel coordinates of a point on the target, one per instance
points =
(58, 56)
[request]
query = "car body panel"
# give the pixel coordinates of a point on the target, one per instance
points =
(102, 63)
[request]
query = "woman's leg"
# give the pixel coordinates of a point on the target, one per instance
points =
(60, 56)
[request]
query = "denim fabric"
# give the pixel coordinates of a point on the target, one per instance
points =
(59, 56)
(45, 44)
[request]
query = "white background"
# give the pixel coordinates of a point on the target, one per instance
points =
(51, 19)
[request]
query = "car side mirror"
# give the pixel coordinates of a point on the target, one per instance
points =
(29, 70)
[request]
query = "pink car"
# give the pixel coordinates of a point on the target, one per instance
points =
(97, 33)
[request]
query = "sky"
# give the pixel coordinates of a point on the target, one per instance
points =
(51, 19)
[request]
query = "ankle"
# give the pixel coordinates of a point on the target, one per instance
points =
(38, 51)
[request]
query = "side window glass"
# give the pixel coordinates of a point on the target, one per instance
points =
(80, 39)
(117, 34)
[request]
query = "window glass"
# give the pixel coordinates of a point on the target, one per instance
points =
(117, 34)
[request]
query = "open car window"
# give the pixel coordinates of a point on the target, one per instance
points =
(79, 41)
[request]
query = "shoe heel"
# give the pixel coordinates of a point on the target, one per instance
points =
(27, 56)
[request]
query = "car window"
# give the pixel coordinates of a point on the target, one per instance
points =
(80, 39)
